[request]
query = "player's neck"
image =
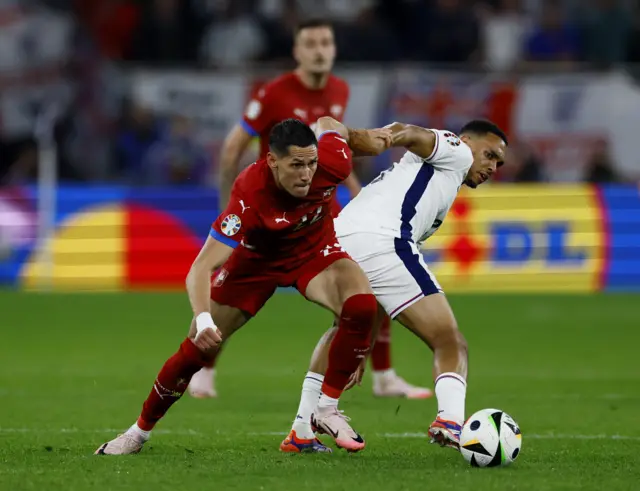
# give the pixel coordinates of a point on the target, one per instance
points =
(313, 81)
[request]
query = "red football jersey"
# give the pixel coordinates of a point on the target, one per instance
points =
(286, 97)
(270, 224)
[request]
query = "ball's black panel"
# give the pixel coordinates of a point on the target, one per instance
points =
(497, 418)
(477, 448)
(515, 454)
(513, 427)
(497, 458)
(475, 424)
(474, 462)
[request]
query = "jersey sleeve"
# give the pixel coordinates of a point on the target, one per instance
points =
(259, 114)
(450, 153)
(334, 155)
(236, 220)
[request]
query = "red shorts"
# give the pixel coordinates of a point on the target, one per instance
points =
(246, 283)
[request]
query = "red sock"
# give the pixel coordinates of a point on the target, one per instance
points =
(211, 362)
(172, 381)
(381, 351)
(350, 343)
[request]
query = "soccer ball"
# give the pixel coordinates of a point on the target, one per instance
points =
(490, 438)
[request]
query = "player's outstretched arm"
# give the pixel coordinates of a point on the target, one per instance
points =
(212, 255)
(416, 139)
(327, 123)
(362, 142)
(234, 146)
(353, 184)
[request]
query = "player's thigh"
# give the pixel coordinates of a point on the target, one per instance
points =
(334, 284)
(244, 287)
(432, 320)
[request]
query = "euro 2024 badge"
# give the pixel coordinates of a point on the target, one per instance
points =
(231, 225)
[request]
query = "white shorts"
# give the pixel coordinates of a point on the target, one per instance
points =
(395, 267)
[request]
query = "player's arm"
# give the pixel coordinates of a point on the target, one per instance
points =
(258, 116)
(362, 142)
(212, 255)
(352, 184)
(226, 234)
(420, 141)
(233, 147)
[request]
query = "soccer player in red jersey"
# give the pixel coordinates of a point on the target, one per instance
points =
(307, 93)
(276, 231)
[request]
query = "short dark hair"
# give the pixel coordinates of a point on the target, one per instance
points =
(290, 132)
(482, 127)
(310, 24)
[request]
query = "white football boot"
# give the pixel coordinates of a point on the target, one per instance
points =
(335, 424)
(390, 384)
(124, 444)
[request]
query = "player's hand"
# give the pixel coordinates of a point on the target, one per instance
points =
(356, 377)
(380, 140)
(208, 339)
(370, 142)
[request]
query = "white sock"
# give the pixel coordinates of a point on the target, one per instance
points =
(311, 390)
(139, 433)
(327, 402)
(451, 390)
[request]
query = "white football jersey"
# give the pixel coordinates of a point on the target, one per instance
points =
(411, 199)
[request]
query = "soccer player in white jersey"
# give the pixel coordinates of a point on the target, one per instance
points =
(383, 229)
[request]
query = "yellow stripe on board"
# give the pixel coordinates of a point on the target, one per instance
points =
(88, 252)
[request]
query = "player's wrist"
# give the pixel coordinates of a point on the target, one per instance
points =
(204, 321)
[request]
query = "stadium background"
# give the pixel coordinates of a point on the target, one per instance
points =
(96, 89)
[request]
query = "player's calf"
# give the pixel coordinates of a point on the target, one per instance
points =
(351, 342)
(170, 384)
(348, 348)
(432, 320)
(173, 379)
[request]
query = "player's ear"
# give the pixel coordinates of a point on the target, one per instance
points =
(272, 160)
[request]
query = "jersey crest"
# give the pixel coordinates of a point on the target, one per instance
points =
(452, 139)
(231, 225)
(327, 193)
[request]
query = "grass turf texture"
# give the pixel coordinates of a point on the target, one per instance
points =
(75, 367)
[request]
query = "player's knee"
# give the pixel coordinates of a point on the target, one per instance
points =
(361, 310)
(448, 334)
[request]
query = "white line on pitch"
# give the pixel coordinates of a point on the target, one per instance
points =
(544, 436)
(547, 436)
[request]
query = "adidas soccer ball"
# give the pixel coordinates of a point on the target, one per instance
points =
(490, 438)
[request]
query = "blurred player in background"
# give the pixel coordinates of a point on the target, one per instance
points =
(383, 229)
(309, 92)
(276, 231)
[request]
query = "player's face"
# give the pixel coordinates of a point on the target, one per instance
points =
(488, 154)
(294, 172)
(315, 49)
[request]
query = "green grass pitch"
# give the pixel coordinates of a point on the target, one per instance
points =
(75, 368)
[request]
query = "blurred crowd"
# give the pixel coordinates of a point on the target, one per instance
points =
(499, 35)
